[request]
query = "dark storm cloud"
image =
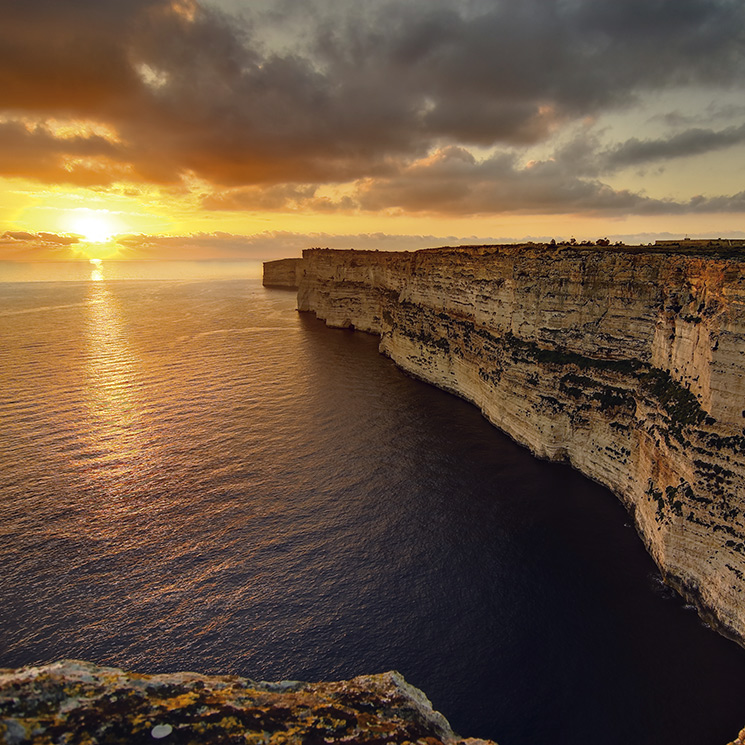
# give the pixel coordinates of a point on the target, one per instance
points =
(483, 71)
(189, 92)
(59, 58)
(301, 94)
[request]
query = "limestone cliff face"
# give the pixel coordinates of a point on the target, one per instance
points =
(629, 363)
(78, 702)
(281, 273)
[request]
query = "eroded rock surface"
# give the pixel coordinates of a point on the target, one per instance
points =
(281, 273)
(627, 362)
(78, 702)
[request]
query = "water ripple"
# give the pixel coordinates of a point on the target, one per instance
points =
(194, 476)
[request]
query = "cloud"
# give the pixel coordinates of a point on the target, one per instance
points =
(66, 58)
(452, 181)
(22, 246)
(19, 245)
(683, 144)
(17, 237)
(36, 152)
(586, 156)
(280, 197)
(198, 91)
(733, 203)
(386, 98)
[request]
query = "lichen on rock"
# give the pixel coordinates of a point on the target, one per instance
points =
(78, 702)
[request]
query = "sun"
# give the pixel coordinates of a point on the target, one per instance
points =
(96, 232)
(95, 228)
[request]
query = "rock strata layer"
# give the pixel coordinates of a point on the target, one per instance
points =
(627, 362)
(281, 273)
(78, 702)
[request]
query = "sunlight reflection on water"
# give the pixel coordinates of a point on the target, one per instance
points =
(116, 433)
(76, 271)
(195, 476)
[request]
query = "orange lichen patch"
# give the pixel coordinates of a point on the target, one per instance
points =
(79, 702)
(181, 701)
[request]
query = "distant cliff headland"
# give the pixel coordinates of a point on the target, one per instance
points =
(282, 273)
(626, 361)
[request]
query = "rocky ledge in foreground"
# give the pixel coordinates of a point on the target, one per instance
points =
(78, 702)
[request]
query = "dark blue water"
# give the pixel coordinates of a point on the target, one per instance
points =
(194, 476)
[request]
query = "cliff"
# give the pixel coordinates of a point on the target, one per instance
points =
(629, 363)
(78, 702)
(282, 273)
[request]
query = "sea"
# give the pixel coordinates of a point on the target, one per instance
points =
(195, 476)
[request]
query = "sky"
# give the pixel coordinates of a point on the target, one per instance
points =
(229, 129)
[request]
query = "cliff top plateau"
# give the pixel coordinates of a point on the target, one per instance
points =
(719, 248)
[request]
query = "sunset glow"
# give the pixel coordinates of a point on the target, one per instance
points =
(426, 126)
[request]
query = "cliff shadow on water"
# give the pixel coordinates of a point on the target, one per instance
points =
(198, 477)
(628, 364)
(519, 596)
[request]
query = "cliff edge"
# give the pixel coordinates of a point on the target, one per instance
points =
(78, 702)
(282, 273)
(628, 362)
